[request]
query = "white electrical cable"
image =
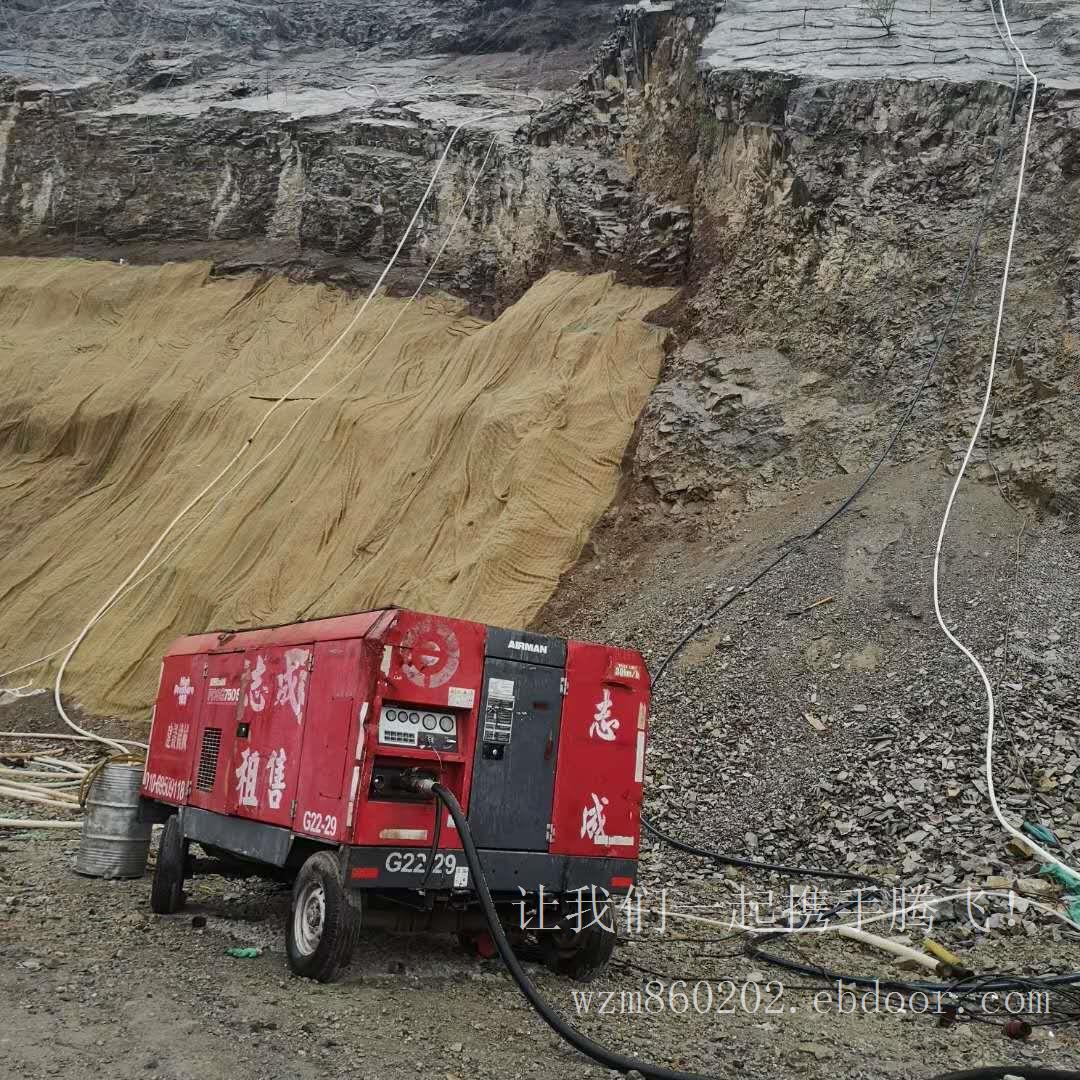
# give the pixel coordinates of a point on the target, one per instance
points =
(36, 823)
(120, 747)
(991, 792)
(21, 795)
(46, 735)
(62, 766)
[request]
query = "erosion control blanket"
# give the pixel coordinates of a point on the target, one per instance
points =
(458, 469)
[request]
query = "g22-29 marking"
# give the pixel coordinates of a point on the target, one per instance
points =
(415, 862)
(319, 824)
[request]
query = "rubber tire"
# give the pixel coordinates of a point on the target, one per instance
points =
(339, 921)
(167, 889)
(578, 956)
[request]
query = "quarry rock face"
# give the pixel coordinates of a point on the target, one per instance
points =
(328, 191)
(820, 223)
(96, 35)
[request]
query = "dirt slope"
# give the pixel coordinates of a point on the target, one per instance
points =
(460, 468)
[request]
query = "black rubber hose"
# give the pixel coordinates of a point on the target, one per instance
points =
(988, 984)
(435, 838)
(608, 1058)
(753, 864)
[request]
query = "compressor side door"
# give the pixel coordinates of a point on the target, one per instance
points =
(333, 739)
(602, 758)
(267, 734)
(517, 744)
(214, 724)
(174, 730)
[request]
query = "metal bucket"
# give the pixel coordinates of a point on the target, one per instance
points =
(115, 843)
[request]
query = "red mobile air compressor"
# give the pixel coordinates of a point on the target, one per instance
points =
(309, 752)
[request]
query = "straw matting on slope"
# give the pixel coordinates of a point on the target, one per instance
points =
(460, 470)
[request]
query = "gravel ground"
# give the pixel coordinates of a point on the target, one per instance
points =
(824, 716)
(887, 780)
(91, 982)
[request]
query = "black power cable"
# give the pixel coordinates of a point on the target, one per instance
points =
(434, 851)
(796, 543)
(982, 983)
(754, 864)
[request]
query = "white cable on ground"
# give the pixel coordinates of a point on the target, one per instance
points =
(36, 774)
(34, 823)
(54, 785)
(24, 691)
(20, 795)
(73, 647)
(991, 791)
(65, 766)
(46, 735)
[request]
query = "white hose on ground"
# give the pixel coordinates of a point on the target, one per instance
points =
(904, 952)
(20, 795)
(17, 692)
(34, 823)
(36, 774)
(74, 645)
(57, 789)
(1011, 829)
(66, 766)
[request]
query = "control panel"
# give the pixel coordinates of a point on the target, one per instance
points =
(418, 728)
(498, 718)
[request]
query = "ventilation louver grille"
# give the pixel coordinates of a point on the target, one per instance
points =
(208, 759)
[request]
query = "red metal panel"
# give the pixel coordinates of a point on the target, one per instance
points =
(265, 759)
(433, 660)
(341, 628)
(342, 675)
(600, 773)
(219, 704)
(174, 732)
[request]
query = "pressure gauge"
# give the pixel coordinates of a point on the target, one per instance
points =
(414, 718)
(430, 723)
(446, 723)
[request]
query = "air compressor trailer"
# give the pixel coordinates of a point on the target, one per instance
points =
(299, 752)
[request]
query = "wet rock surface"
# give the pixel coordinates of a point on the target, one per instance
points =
(953, 40)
